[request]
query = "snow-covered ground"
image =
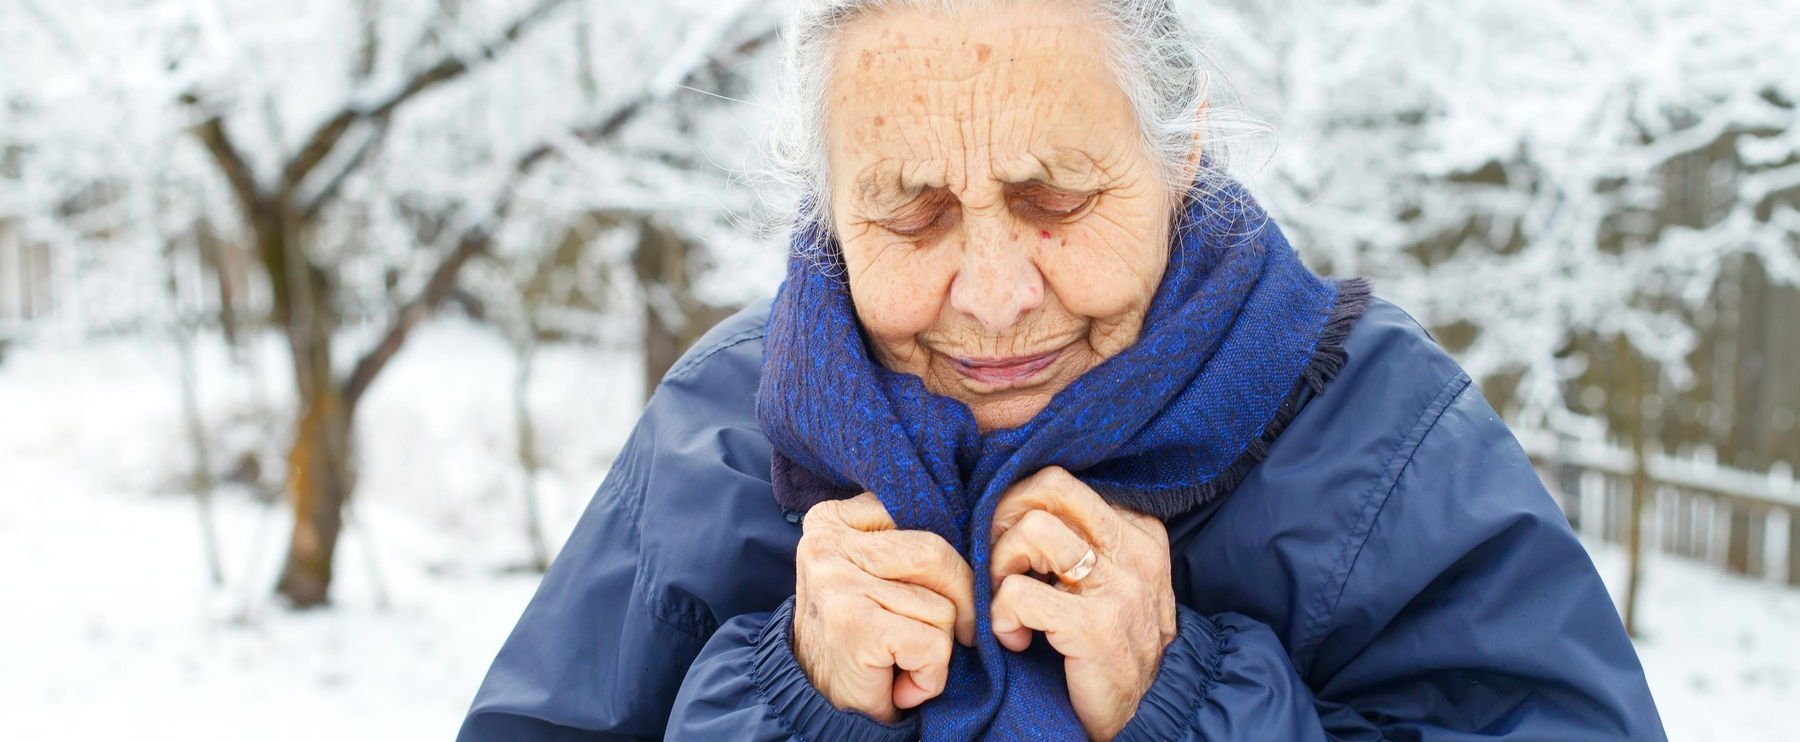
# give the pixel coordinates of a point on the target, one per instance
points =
(1721, 652)
(110, 626)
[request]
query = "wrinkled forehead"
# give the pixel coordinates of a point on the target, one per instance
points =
(918, 100)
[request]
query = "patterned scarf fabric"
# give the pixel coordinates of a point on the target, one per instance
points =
(1237, 328)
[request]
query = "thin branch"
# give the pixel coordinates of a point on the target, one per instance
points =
(609, 126)
(313, 204)
(479, 236)
(317, 146)
(231, 163)
(443, 280)
(327, 135)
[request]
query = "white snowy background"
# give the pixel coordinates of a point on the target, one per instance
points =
(1540, 128)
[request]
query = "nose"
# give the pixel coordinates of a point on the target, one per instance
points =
(997, 282)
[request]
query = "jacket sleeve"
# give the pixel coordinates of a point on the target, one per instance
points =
(590, 659)
(1469, 611)
(667, 613)
(747, 685)
(681, 537)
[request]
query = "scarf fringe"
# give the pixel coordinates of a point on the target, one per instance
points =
(1327, 359)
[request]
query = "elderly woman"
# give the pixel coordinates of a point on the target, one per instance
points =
(1038, 367)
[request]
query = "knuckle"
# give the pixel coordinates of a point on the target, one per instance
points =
(821, 512)
(870, 653)
(1010, 588)
(808, 548)
(1038, 524)
(912, 553)
(921, 642)
(939, 551)
(941, 612)
(940, 647)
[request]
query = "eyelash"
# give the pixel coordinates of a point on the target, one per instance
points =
(1023, 201)
(1056, 214)
(937, 202)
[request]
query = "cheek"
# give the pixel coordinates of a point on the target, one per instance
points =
(1102, 273)
(899, 292)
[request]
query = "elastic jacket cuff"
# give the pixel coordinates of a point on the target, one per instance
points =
(1189, 670)
(806, 712)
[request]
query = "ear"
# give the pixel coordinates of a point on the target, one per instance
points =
(1195, 147)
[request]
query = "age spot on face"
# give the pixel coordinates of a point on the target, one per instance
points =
(992, 111)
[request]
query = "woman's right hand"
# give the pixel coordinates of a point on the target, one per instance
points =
(871, 599)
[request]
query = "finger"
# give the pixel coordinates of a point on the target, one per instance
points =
(924, 559)
(847, 659)
(1039, 542)
(907, 693)
(863, 512)
(1023, 604)
(920, 652)
(1056, 490)
(912, 601)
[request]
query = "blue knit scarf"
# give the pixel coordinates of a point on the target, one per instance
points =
(1237, 330)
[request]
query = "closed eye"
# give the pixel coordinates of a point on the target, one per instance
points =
(1043, 202)
(931, 212)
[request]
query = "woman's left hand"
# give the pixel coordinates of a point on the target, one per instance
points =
(1110, 618)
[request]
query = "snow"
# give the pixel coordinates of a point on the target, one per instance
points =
(111, 626)
(1719, 650)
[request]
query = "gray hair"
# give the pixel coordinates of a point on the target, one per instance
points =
(1156, 57)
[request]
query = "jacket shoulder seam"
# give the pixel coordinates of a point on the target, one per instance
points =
(687, 365)
(1325, 608)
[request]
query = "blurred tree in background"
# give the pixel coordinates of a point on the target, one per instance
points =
(1533, 179)
(1593, 205)
(360, 163)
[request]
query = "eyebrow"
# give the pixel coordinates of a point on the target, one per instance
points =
(884, 185)
(880, 183)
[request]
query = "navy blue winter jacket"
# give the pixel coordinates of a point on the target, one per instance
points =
(1394, 570)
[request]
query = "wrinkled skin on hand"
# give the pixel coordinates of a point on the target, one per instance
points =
(1113, 625)
(876, 608)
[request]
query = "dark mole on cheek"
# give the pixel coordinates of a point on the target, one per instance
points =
(1064, 241)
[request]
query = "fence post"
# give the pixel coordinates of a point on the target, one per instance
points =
(1737, 539)
(1782, 481)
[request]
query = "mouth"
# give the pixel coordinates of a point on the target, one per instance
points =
(1008, 371)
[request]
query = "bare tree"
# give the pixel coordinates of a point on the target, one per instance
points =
(414, 169)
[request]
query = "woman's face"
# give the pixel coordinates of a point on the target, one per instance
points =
(1002, 226)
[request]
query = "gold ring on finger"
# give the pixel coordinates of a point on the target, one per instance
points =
(1081, 569)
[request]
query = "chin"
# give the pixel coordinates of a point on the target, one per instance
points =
(1009, 413)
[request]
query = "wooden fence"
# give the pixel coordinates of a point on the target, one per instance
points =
(1742, 522)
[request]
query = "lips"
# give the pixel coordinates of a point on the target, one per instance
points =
(1008, 371)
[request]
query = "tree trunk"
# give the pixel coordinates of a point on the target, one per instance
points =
(319, 484)
(318, 477)
(673, 317)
